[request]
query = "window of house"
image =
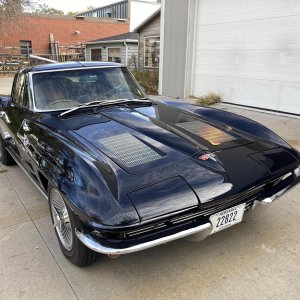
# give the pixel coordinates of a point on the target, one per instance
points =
(114, 55)
(152, 52)
(96, 54)
(25, 47)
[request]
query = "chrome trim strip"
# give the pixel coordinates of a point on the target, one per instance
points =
(27, 174)
(94, 245)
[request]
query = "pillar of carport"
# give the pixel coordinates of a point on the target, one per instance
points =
(177, 39)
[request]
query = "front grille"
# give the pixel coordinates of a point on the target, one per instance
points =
(130, 150)
(248, 198)
(210, 133)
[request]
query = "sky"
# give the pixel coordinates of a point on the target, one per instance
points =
(76, 5)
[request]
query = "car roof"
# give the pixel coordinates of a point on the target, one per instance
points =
(70, 65)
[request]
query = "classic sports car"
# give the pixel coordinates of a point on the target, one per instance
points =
(124, 173)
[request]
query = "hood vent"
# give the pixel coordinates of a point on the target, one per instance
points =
(210, 133)
(130, 150)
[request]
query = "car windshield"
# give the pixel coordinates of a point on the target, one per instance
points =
(58, 90)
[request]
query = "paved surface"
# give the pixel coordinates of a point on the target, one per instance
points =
(257, 259)
(5, 85)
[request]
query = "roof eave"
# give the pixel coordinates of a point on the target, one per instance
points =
(112, 42)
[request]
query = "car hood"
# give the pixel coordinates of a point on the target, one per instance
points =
(139, 139)
(166, 160)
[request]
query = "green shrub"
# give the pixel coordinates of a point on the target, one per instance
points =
(148, 79)
(209, 99)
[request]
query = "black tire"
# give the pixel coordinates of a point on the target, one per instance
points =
(5, 157)
(78, 254)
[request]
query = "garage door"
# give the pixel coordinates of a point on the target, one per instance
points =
(249, 51)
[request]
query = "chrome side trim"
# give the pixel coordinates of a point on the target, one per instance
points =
(94, 245)
(27, 174)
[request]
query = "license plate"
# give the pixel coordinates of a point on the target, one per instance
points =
(227, 217)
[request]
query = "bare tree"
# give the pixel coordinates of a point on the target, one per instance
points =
(10, 11)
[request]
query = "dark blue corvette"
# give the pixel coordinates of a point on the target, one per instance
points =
(125, 173)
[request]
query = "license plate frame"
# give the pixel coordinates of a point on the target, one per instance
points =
(227, 218)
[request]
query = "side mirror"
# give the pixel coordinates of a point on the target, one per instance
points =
(5, 101)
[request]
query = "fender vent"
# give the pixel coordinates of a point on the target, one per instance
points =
(208, 132)
(130, 150)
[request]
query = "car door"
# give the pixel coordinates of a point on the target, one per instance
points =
(17, 120)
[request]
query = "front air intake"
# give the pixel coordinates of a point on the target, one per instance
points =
(208, 132)
(130, 150)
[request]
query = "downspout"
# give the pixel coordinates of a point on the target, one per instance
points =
(126, 54)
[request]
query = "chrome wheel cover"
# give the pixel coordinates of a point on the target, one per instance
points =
(61, 219)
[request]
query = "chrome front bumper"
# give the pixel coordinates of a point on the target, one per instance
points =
(91, 243)
(200, 232)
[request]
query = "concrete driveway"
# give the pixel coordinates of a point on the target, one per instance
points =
(5, 85)
(257, 259)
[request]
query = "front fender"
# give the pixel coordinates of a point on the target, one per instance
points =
(4, 101)
(77, 176)
(245, 126)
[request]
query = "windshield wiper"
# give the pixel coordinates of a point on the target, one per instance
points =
(103, 103)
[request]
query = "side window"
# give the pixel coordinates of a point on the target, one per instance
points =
(14, 87)
(20, 93)
(24, 93)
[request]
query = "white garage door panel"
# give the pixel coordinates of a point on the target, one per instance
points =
(290, 98)
(259, 64)
(278, 33)
(222, 11)
(250, 53)
(274, 95)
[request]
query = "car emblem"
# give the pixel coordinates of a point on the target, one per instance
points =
(204, 157)
(207, 156)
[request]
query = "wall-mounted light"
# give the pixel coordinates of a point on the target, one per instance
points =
(77, 32)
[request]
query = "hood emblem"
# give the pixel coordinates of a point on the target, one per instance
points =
(207, 156)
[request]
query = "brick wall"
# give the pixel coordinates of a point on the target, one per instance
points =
(37, 28)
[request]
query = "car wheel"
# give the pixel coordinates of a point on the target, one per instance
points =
(5, 157)
(64, 225)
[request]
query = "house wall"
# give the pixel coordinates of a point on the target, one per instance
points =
(117, 10)
(132, 49)
(137, 11)
(151, 29)
(37, 28)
